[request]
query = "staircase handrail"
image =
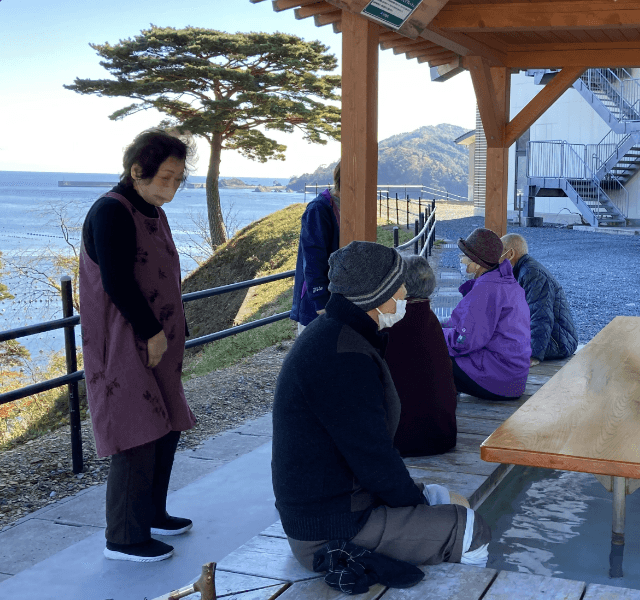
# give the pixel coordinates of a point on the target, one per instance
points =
(624, 93)
(605, 149)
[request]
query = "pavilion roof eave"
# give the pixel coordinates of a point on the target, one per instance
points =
(507, 33)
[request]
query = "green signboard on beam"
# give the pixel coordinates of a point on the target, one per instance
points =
(392, 13)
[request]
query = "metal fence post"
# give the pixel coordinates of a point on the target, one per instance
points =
(72, 367)
(397, 212)
(380, 203)
(421, 225)
(408, 211)
(416, 231)
(387, 206)
(396, 241)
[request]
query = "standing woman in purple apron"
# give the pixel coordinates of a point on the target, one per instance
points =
(133, 334)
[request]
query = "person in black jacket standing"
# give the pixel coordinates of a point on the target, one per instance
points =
(336, 474)
(553, 332)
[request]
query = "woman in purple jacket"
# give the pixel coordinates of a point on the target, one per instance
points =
(489, 335)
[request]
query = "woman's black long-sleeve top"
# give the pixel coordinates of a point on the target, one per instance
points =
(109, 238)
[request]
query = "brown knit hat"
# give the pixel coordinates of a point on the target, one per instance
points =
(483, 247)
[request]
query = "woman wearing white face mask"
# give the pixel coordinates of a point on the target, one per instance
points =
(488, 335)
(335, 471)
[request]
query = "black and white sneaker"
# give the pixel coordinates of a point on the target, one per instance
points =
(171, 526)
(151, 551)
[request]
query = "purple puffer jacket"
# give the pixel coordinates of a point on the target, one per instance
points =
(489, 332)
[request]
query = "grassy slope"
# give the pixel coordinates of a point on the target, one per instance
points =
(267, 246)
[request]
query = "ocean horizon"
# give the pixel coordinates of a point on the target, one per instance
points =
(29, 201)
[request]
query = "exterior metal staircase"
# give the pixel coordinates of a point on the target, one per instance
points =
(559, 165)
(593, 176)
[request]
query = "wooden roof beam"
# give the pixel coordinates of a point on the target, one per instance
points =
(540, 103)
(319, 8)
(596, 58)
(280, 5)
(538, 16)
(328, 18)
(464, 45)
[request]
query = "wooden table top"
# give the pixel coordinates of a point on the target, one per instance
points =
(586, 417)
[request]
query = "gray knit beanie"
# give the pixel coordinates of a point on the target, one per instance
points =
(483, 247)
(366, 273)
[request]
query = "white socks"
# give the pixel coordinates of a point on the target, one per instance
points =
(438, 494)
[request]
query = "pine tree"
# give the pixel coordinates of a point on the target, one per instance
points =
(228, 88)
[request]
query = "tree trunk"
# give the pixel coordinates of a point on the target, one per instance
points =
(216, 220)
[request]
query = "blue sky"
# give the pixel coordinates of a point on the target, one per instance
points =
(45, 44)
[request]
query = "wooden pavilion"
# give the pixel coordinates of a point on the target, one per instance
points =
(491, 39)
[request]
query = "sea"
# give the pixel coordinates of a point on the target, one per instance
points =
(32, 206)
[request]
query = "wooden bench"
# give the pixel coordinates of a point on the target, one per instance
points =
(587, 419)
(264, 569)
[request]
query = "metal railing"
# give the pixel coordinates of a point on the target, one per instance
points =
(622, 90)
(425, 233)
(388, 190)
(562, 160)
(73, 376)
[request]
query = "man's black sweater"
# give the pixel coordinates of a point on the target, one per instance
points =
(334, 417)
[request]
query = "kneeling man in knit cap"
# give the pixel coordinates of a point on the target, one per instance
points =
(336, 473)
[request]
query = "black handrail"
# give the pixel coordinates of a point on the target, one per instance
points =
(72, 377)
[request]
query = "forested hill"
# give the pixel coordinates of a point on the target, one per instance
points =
(426, 156)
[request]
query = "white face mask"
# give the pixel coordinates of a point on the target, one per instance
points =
(390, 319)
(463, 270)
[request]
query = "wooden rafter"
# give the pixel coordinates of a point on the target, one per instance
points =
(538, 16)
(390, 36)
(406, 44)
(279, 5)
(445, 56)
(436, 52)
(436, 62)
(319, 8)
(328, 18)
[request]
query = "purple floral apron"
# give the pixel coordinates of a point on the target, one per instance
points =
(130, 403)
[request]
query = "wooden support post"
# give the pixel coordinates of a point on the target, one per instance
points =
(492, 86)
(359, 169)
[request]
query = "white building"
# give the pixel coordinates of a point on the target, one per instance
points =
(580, 161)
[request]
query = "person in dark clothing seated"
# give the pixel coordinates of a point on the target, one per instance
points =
(336, 474)
(419, 362)
(553, 332)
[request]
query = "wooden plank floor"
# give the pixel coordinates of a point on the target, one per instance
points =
(267, 556)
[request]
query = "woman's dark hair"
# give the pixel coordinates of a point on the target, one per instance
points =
(149, 150)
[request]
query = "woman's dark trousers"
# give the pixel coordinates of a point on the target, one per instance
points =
(465, 385)
(137, 489)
